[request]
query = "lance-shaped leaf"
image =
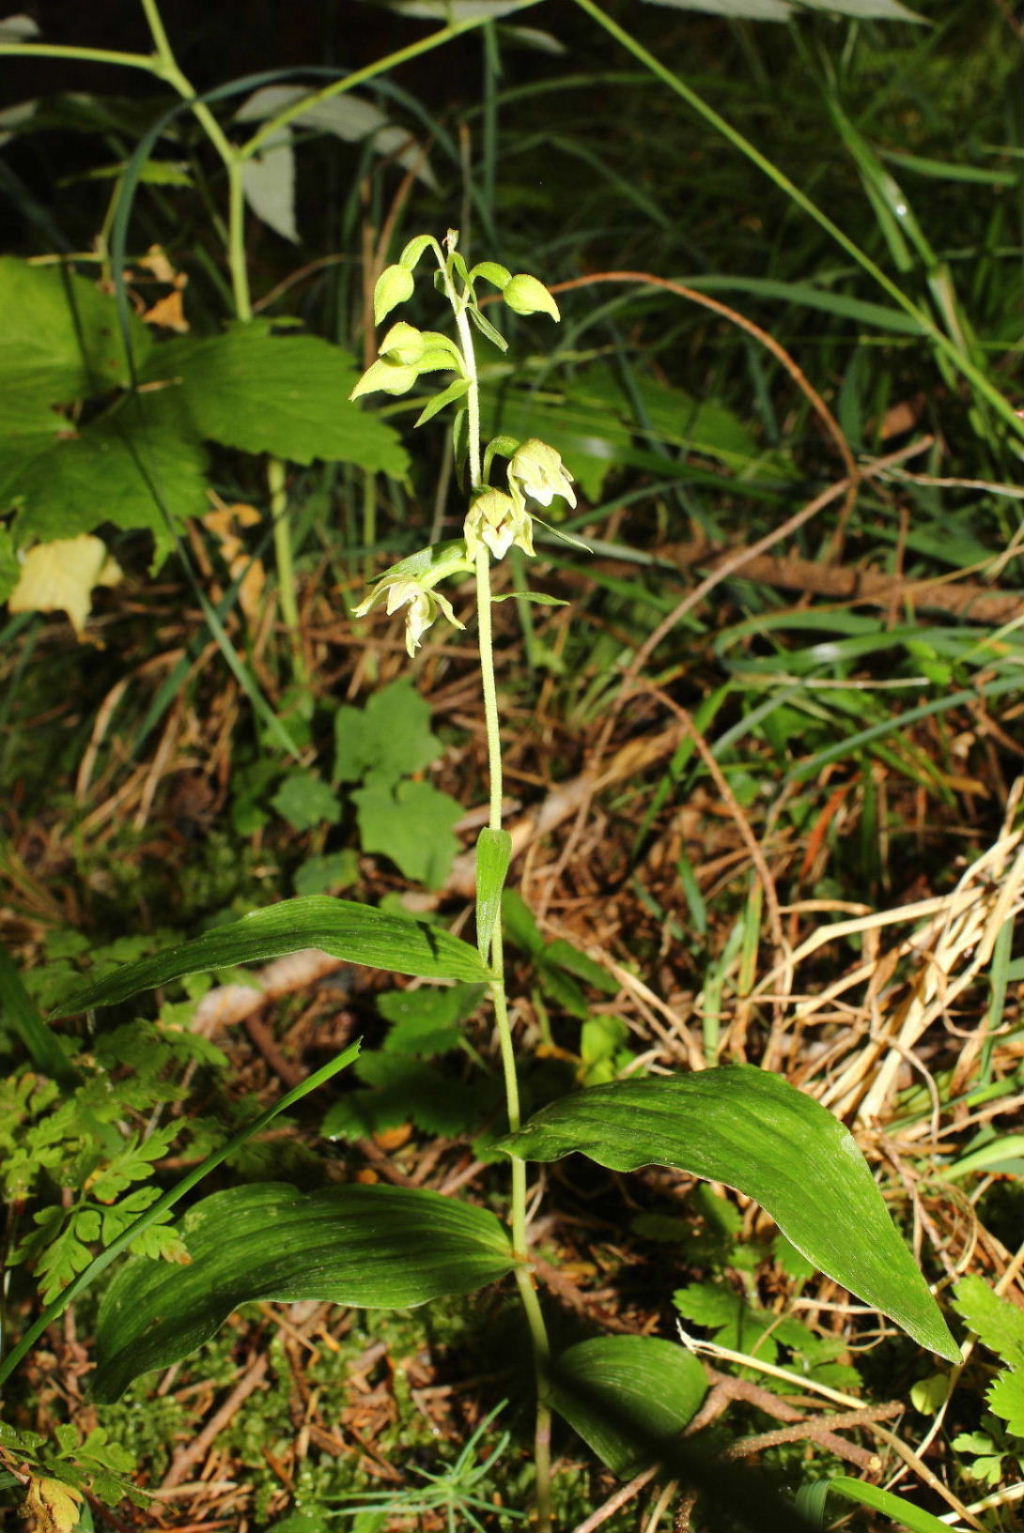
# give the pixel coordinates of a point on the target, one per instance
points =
(376, 1247)
(754, 1132)
(343, 928)
(627, 1396)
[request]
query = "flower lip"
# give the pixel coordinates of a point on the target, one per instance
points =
(497, 520)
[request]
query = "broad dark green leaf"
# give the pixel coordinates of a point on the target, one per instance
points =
(61, 337)
(377, 1247)
(283, 394)
(357, 933)
(125, 468)
(754, 1132)
(627, 1396)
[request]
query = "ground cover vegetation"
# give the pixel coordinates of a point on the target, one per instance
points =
(509, 1006)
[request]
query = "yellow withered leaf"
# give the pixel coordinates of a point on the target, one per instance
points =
(61, 577)
(51, 1506)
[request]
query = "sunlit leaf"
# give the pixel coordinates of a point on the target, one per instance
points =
(357, 933)
(282, 394)
(754, 1132)
(374, 1246)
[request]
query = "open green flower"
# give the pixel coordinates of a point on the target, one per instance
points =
(423, 602)
(498, 520)
(537, 471)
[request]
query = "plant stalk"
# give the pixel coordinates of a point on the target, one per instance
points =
(517, 1211)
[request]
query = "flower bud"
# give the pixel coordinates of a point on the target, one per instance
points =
(394, 286)
(525, 295)
(537, 470)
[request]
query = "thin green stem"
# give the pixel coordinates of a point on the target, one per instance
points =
(145, 61)
(166, 65)
(517, 1203)
(939, 339)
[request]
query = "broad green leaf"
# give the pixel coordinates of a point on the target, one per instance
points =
(493, 855)
(754, 1132)
(413, 825)
(125, 468)
(378, 1247)
(61, 338)
(356, 933)
(628, 1396)
(282, 394)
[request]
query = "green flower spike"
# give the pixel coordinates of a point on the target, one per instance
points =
(423, 602)
(498, 520)
(537, 471)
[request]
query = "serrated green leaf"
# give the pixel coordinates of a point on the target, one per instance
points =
(426, 1022)
(357, 933)
(125, 468)
(756, 1133)
(318, 875)
(493, 855)
(413, 825)
(378, 1247)
(388, 739)
(305, 801)
(628, 1396)
(282, 394)
(1006, 1399)
(998, 1323)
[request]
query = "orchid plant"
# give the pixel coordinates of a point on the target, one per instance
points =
(382, 1246)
